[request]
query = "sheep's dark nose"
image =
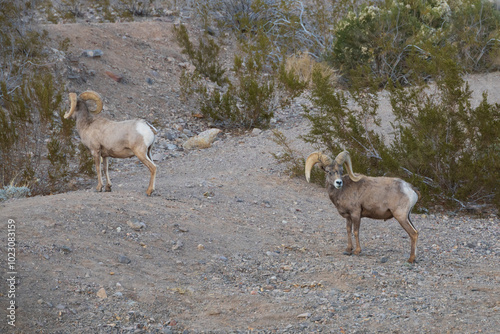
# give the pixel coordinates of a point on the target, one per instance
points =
(338, 183)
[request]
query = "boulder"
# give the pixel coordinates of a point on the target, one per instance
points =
(203, 140)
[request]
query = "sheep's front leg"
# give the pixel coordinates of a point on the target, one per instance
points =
(97, 160)
(108, 180)
(356, 221)
(348, 250)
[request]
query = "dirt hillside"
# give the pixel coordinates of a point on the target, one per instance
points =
(228, 243)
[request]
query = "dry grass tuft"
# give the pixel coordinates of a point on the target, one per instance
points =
(304, 65)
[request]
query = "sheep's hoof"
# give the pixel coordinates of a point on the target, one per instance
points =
(411, 260)
(149, 192)
(98, 189)
(108, 189)
(357, 252)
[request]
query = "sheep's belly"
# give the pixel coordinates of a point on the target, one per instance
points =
(123, 153)
(376, 213)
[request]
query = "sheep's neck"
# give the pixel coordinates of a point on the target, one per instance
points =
(83, 119)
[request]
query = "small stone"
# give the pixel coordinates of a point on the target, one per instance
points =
(92, 53)
(171, 135)
(60, 307)
(102, 293)
(115, 77)
(304, 316)
(136, 225)
(123, 259)
(158, 157)
(256, 132)
(178, 245)
(201, 247)
(384, 259)
(118, 294)
(66, 249)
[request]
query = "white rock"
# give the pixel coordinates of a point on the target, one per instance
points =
(203, 140)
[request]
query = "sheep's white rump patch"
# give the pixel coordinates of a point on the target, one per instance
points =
(146, 132)
(408, 190)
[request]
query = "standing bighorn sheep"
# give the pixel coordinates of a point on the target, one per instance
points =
(106, 138)
(357, 196)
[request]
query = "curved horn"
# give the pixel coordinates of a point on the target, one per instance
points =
(72, 98)
(314, 158)
(91, 95)
(344, 157)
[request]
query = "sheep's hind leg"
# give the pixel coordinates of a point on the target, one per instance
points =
(97, 161)
(405, 222)
(108, 180)
(348, 250)
(144, 158)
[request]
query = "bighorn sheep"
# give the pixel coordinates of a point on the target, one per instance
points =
(106, 138)
(357, 196)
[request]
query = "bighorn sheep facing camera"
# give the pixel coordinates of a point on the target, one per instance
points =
(106, 138)
(357, 196)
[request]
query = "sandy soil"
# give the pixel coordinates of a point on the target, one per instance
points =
(229, 243)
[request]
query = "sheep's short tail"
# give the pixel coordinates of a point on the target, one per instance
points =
(155, 131)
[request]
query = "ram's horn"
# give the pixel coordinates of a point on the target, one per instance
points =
(72, 98)
(91, 95)
(314, 158)
(344, 157)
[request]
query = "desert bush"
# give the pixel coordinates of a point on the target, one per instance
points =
(384, 36)
(11, 191)
(255, 90)
(290, 157)
(337, 124)
(445, 146)
(450, 148)
(291, 26)
(35, 140)
(205, 56)
(85, 161)
(475, 32)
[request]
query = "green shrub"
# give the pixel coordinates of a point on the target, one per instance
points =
(384, 37)
(205, 57)
(290, 157)
(443, 145)
(257, 88)
(451, 148)
(336, 125)
(30, 112)
(85, 161)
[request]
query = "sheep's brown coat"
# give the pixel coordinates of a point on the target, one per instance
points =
(365, 196)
